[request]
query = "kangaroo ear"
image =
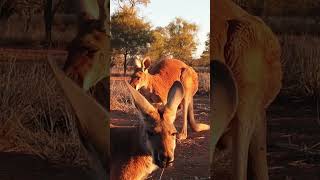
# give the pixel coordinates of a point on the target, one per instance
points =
(175, 96)
(141, 102)
(146, 62)
(99, 70)
(138, 63)
(92, 119)
(223, 100)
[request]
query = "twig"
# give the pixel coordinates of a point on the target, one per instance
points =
(298, 148)
(161, 174)
(315, 145)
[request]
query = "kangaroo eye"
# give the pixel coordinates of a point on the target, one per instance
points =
(174, 134)
(150, 133)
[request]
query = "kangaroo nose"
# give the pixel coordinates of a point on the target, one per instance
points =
(165, 161)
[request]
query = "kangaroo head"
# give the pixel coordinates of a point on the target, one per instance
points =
(87, 61)
(140, 77)
(158, 128)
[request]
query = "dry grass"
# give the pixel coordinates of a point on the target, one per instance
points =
(301, 65)
(204, 82)
(35, 118)
(120, 99)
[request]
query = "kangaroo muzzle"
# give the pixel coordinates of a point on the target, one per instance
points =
(164, 161)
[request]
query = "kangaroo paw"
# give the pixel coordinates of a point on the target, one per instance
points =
(182, 136)
(201, 127)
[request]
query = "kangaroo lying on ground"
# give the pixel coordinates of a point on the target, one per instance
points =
(138, 151)
(155, 83)
(132, 152)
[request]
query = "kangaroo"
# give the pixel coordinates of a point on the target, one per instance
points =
(155, 82)
(88, 53)
(246, 78)
(128, 153)
(138, 151)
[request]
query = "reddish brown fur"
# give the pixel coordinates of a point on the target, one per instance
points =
(249, 48)
(163, 75)
(157, 81)
(82, 53)
(134, 165)
(137, 151)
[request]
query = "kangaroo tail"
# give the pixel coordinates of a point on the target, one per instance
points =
(197, 127)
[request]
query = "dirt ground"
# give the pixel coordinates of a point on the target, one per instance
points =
(293, 143)
(294, 140)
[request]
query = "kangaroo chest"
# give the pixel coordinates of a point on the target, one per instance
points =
(153, 96)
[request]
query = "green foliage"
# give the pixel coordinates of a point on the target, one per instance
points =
(159, 44)
(181, 43)
(130, 34)
(176, 39)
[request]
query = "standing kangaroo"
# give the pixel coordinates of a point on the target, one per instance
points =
(156, 82)
(246, 78)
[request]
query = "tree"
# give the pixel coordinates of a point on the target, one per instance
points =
(23, 8)
(181, 42)
(178, 39)
(50, 9)
(206, 52)
(205, 56)
(130, 35)
(27, 8)
(131, 3)
(158, 46)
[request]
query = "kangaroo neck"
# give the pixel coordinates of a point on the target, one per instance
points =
(135, 159)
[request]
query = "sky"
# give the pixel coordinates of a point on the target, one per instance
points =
(162, 12)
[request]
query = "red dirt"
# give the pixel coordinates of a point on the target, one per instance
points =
(285, 160)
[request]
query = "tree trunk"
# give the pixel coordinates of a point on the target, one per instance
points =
(48, 17)
(27, 21)
(125, 63)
